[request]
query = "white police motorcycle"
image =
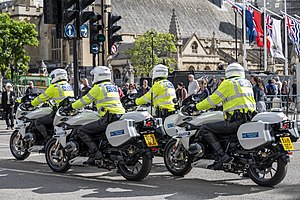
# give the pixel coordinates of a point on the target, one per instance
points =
(260, 148)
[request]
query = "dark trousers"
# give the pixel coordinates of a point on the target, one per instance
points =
(43, 123)
(86, 132)
(9, 116)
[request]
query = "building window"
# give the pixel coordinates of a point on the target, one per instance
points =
(55, 47)
(117, 74)
(191, 68)
(194, 47)
(207, 68)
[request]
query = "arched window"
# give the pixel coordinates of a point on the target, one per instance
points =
(207, 68)
(194, 47)
(117, 74)
(191, 68)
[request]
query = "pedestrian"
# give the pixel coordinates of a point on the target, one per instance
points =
(259, 94)
(193, 87)
(132, 89)
(86, 87)
(31, 90)
(284, 93)
(203, 87)
(294, 91)
(181, 93)
(212, 84)
(144, 89)
(271, 92)
(8, 103)
(278, 84)
(125, 88)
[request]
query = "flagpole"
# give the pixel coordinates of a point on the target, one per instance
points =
(265, 38)
(297, 16)
(285, 42)
(244, 34)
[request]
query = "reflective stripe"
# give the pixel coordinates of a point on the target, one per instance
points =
(239, 95)
(39, 99)
(210, 101)
(60, 93)
(82, 101)
(104, 91)
(58, 98)
(110, 106)
(165, 103)
(90, 96)
(107, 100)
(253, 106)
(45, 95)
(220, 95)
(146, 99)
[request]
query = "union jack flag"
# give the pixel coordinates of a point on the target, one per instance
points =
(269, 25)
(294, 32)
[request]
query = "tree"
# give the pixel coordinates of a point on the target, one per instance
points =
(14, 37)
(163, 51)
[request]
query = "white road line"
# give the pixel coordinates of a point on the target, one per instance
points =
(77, 177)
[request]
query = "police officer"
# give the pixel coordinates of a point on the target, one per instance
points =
(239, 105)
(106, 97)
(57, 91)
(162, 93)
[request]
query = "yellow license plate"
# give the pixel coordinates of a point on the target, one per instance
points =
(150, 140)
(287, 143)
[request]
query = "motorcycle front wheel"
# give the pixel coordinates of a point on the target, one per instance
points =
(138, 170)
(177, 159)
(56, 157)
(267, 175)
(17, 146)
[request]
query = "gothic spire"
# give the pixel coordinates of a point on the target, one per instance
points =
(174, 26)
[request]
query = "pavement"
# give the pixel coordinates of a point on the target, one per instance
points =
(3, 127)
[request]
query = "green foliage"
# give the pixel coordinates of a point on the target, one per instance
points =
(14, 37)
(163, 51)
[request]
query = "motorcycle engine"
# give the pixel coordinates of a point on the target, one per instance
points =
(29, 137)
(197, 149)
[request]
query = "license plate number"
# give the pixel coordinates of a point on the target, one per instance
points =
(150, 140)
(287, 143)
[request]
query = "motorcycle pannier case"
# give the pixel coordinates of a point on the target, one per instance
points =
(254, 134)
(119, 132)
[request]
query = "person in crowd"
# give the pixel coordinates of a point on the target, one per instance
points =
(144, 89)
(239, 106)
(259, 94)
(181, 93)
(212, 84)
(8, 103)
(278, 84)
(125, 88)
(294, 91)
(86, 87)
(284, 93)
(271, 91)
(120, 91)
(193, 87)
(31, 90)
(220, 81)
(106, 97)
(203, 87)
(132, 89)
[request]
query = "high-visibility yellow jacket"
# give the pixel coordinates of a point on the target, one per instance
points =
(235, 94)
(106, 97)
(56, 91)
(162, 92)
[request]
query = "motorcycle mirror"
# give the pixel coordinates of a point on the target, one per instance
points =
(175, 100)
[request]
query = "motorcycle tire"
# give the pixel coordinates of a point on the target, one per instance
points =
(171, 165)
(59, 164)
(20, 154)
(276, 178)
(141, 172)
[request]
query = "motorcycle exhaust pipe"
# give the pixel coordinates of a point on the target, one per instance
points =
(203, 163)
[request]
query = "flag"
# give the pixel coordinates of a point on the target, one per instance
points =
(269, 26)
(250, 24)
(274, 33)
(258, 27)
(294, 33)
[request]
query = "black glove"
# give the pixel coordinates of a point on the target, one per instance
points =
(193, 108)
(68, 108)
(28, 106)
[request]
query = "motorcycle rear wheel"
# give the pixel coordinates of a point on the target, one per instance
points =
(59, 161)
(177, 167)
(138, 170)
(269, 176)
(15, 145)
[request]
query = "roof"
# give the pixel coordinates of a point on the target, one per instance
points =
(121, 51)
(194, 16)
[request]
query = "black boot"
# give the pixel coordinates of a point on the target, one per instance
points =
(215, 144)
(96, 155)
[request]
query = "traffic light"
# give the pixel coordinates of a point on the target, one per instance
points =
(51, 11)
(70, 14)
(112, 29)
(86, 15)
(95, 37)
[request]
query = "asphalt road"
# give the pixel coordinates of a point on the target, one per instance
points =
(32, 179)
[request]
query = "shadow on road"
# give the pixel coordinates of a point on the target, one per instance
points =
(89, 183)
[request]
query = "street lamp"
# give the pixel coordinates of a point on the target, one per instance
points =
(152, 57)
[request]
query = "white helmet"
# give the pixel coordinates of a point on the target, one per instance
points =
(160, 71)
(58, 75)
(101, 73)
(234, 70)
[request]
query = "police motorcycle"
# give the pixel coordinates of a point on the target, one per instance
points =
(164, 130)
(126, 146)
(26, 138)
(260, 149)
